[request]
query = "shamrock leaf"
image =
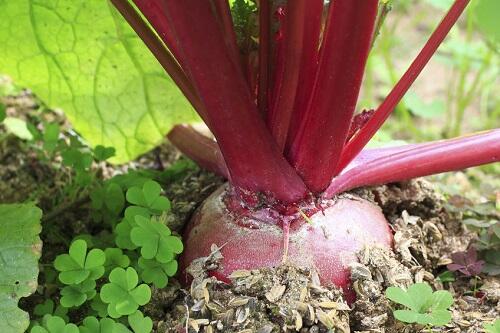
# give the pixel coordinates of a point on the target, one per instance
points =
(122, 293)
(123, 229)
(115, 258)
(466, 262)
(77, 266)
(139, 323)
(77, 294)
(155, 240)
(51, 136)
(53, 324)
(102, 153)
(100, 308)
(105, 325)
(73, 157)
(425, 307)
(108, 199)
(493, 327)
(48, 307)
(148, 196)
(156, 272)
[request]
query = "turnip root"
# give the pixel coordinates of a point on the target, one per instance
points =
(326, 241)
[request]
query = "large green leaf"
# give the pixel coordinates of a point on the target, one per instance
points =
(20, 249)
(81, 55)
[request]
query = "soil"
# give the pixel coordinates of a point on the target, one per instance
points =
(427, 229)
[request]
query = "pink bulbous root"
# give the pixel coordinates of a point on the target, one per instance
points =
(328, 241)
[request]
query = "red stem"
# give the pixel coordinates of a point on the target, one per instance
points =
(264, 52)
(313, 14)
(316, 150)
(288, 65)
(422, 160)
(201, 149)
(360, 140)
(160, 51)
(226, 21)
(253, 160)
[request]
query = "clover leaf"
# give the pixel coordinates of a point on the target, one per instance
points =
(156, 272)
(77, 294)
(123, 229)
(148, 196)
(102, 153)
(108, 201)
(155, 240)
(48, 307)
(115, 258)
(493, 327)
(122, 293)
(104, 325)
(99, 307)
(77, 266)
(139, 323)
(425, 307)
(53, 324)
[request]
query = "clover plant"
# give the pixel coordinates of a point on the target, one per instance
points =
(155, 240)
(422, 306)
(78, 265)
(493, 327)
(149, 196)
(104, 325)
(53, 324)
(76, 294)
(155, 272)
(49, 307)
(123, 293)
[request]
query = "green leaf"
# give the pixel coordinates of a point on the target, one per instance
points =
(77, 266)
(155, 240)
(48, 307)
(114, 199)
(76, 295)
(3, 114)
(426, 307)
(51, 136)
(93, 325)
(156, 272)
(493, 327)
(17, 127)
(486, 17)
(149, 196)
(122, 294)
(54, 324)
(139, 323)
(422, 109)
(20, 249)
(83, 57)
(116, 258)
(102, 153)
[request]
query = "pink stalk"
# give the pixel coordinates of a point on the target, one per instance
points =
(360, 140)
(159, 50)
(288, 65)
(422, 160)
(201, 149)
(264, 51)
(316, 150)
(224, 16)
(153, 12)
(308, 65)
(254, 161)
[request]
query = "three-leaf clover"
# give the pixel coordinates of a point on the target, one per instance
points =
(148, 196)
(122, 293)
(53, 324)
(155, 240)
(76, 294)
(493, 327)
(123, 229)
(139, 323)
(102, 153)
(78, 266)
(108, 199)
(105, 325)
(424, 306)
(466, 262)
(48, 307)
(99, 307)
(115, 258)
(156, 272)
